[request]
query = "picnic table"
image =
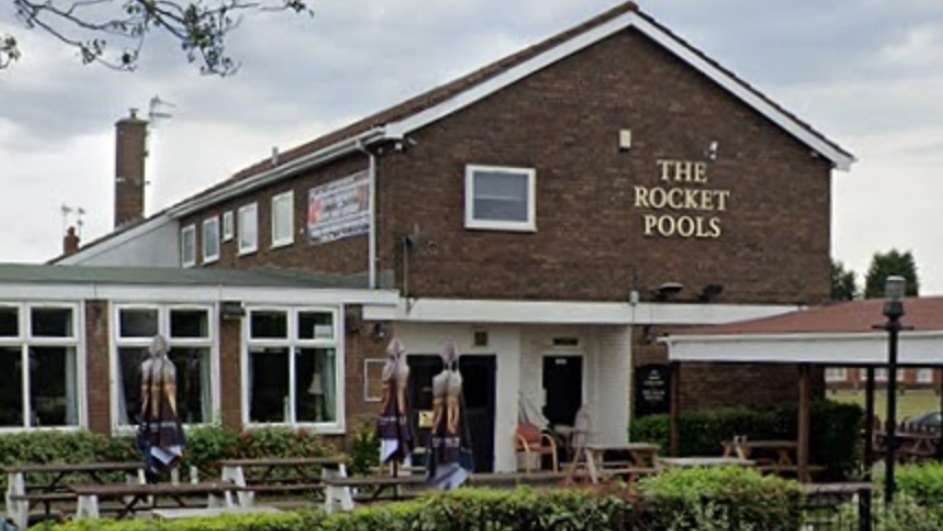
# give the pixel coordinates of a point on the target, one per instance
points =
(373, 488)
(642, 460)
(21, 492)
(702, 462)
(782, 451)
(281, 475)
(219, 495)
(911, 445)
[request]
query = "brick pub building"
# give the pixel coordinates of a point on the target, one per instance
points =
(551, 214)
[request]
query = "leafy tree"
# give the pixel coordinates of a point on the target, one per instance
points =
(888, 264)
(92, 26)
(844, 283)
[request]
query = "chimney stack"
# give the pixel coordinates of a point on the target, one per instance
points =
(130, 152)
(70, 242)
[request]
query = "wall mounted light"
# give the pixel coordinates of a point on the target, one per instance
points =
(711, 152)
(710, 292)
(667, 290)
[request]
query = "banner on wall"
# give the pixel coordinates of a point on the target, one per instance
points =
(339, 209)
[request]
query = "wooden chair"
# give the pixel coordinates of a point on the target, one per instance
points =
(532, 442)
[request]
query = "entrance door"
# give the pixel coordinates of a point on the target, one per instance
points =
(479, 379)
(563, 388)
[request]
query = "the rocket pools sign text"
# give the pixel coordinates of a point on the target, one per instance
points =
(682, 204)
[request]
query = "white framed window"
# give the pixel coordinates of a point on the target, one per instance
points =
(283, 219)
(228, 226)
(924, 376)
(835, 374)
(188, 246)
(210, 240)
(293, 368)
(189, 333)
(39, 360)
(248, 228)
(500, 198)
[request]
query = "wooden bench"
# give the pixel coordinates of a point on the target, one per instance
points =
(46, 499)
(291, 475)
(787, 470)
(219, 495)
(335, 489)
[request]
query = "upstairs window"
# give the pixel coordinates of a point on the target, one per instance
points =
(210, 240)
(228, 230)
(283, 219)
(188, 246)
(500, 198)
(248, 229)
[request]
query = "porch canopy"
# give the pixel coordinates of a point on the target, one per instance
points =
(845, 334)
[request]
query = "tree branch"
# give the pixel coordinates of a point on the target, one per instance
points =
(200, 26)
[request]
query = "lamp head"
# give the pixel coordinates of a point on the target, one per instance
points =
(894, 288)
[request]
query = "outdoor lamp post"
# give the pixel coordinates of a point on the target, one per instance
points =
(894, 288)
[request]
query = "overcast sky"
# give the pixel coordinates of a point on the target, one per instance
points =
(867, 73)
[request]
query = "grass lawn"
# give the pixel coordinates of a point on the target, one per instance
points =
(909, 404)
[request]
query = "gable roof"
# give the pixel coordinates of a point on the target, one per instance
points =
(843, 334)
(396, 121)
(853, 317)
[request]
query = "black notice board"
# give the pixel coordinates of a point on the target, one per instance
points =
(652, 390)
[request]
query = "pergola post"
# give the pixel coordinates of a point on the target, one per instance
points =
(802, 452)
(869, 422)
(675, 433)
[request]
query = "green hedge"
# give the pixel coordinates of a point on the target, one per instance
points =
(834, 430)
(704, 499)
(205, 446)
(720, 498)
(521, 510)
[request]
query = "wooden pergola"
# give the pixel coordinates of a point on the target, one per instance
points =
(846, 334)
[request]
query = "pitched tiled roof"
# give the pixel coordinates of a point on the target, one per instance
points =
(449, 90)
(923, 314)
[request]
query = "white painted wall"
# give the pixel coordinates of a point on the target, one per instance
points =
(156, 244)
(612, 352)
(504, 342)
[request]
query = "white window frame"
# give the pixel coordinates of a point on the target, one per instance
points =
(925, 376)
(251, 210)
(163, 327)
(208, 257)
(228, 229)
(280, 202)
(292, 342)
(836, 374)
(24, 339)
(188, 246)
(529, 225)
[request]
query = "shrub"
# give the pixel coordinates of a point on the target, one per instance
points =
(834, 431)
(205, 445)
(495, 510)
(365, 451)
(731, 497)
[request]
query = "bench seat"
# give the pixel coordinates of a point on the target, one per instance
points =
(177, 513)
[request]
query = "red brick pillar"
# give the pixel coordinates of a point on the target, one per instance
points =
(97, 366)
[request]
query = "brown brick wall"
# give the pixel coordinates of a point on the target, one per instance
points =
(564, 122)
(97, 366)
(131, 148)
(345, 256)
(230, 372)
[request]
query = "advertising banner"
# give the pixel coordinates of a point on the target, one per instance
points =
(339, 209)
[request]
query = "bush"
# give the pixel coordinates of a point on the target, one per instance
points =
(365, 451)
(523, 509)
(205, 445)
(725, 498)
(834, 431)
